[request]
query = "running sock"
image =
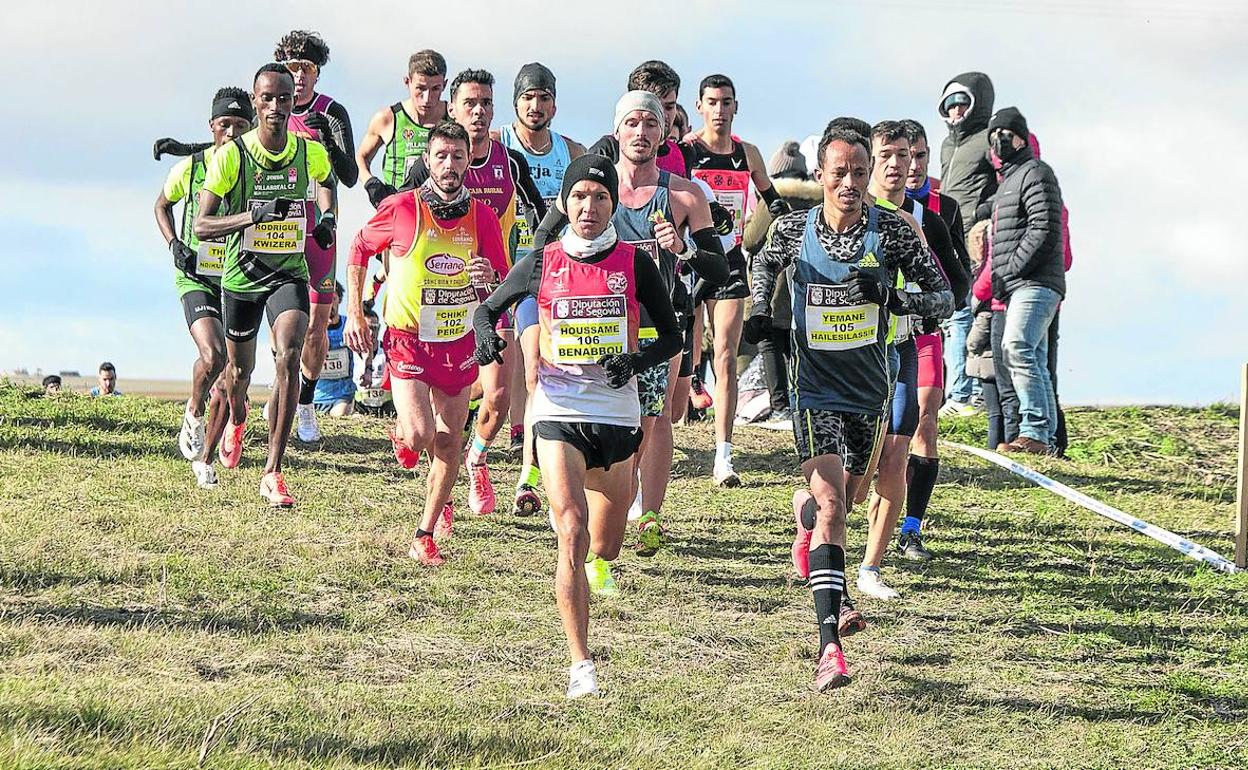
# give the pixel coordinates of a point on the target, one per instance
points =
(723, 451)
(423, 533)
(476, 452)
(827, 583)
(307, 390)
(922, 472)
(529, 476)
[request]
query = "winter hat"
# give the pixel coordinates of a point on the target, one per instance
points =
(533, 76)
(596, 168)
(638, 100)
(787, 162)
(955, 93)
(1009, 118)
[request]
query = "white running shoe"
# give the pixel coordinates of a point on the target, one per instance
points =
(191, 439)
(205, 475)
(953, 408)
(869, 583)
(634, 510)
(265, 411)
(307, 429)
(582, 680)
(724, 475)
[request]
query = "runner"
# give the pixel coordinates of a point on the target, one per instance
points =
(335, 391)
(500, 178)
(656, 209)
(403, 127)
(890, 146)
(373, 396)
(845, 258)
(733, 169)
(267, 177)
(548, 154)
(585, 406)
(318, 117)
(198, 281)
(440, 247)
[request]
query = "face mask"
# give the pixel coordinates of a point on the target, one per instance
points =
(1004, 148)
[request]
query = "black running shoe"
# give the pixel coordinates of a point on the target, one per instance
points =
(910, 546)
(517, 443)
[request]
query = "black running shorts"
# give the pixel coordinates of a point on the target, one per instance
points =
(601, 445)
(241, 312)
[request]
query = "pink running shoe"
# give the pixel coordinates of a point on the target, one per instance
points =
(832, 671)
(698, 394)
(481, 499)
(425, 551)
(446, 522)
(801, 541)
(407, 458)
(273, 488)
(231, 450)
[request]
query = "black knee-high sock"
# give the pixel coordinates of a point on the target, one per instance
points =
(827, 581)
(922, 472)
(307, 389)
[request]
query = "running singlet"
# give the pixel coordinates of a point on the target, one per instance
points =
(336, 382)
(634, 227)
(902, 327)
(585, 311)
(317, 256)
(405, 147)
(547, 172)
(183, 184)
(493, 183)
(729, 176)
(672, 161)
(839, 363)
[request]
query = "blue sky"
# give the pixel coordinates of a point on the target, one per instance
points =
(1138, 105)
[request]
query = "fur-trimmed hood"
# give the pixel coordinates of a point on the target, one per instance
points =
(800, 193)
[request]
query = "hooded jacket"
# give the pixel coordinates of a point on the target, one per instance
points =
(1028, 247)
(966, 171)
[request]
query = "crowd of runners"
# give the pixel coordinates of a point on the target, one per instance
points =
(511, 277)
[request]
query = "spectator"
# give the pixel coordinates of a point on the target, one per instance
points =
(108, 381)
(1028, 274)
(966, 172)
(335, 390)
(51, 385)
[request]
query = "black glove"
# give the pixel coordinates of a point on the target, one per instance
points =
(619, 367)
(721, 218)
(271, 211)
(757, 327)
(183, 257)
(865, 289)
(323, 233)
(778, 208)
(489, 349)
(168, 146)
(317, 122)
(378, 191)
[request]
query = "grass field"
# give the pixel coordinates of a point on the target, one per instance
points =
(146, 623)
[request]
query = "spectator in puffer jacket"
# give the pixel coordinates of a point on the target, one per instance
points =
(1028, 274)
(966, 172)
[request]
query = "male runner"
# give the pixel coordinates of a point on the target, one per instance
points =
(548, 154)
(267, 178)
(335, 391)
(890, 146)
(198, 281)
(317, 116)
(655, 211)
(590, 288)
(500, 178)
(441, 246)
(403, 127)
(845, 257)
(732, 168)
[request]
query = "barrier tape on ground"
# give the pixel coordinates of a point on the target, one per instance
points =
(1180, 544)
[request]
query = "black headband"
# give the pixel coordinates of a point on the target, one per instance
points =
(233, 107)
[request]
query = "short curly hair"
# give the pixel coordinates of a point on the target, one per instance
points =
(302, 44)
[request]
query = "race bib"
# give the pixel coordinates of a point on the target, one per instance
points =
(904, 329)
(446, 314)
(650, 247)
(285, 236)
(834, 324)
(584, 329)
(210, 258)
(373, 397)
(337, 364)
(734, 201)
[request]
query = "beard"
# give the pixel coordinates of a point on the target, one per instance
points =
(449, 184)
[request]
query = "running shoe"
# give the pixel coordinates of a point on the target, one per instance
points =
(831, 671)
(650, 535)
(273, 488)
(528, 502)
(870, 583)
(850, 621)
(191, 438)
(954, 408)
(910, 545)
(598, 573)
(306, 428)
(425, 551)
(473, 407)
(446, 522)
(408, 458)
(635, 510)
(582, 680)
(205, 475)
(231, 450)
(699, 396)
(481, 499)
(780, 419)
(517, 442)
(724, 475)
(801, 540)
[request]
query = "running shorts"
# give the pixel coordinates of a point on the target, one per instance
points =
(905, 404)
(652, 386)
(848, 435)
(439, 365)
(601, 445)
(686, 354)
(735, 287)
(526, 314)
(197, 304)
(931, 350)
(241, 312)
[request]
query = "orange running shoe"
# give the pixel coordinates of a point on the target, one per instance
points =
(481, 498)
(446, 522)
(407, 458)
(698, 394)
(425, 551)
(832, 671)
(273, 488)
(231, 450)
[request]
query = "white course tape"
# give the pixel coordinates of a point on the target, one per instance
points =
(1180, 544)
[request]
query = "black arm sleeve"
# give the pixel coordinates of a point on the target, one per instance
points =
(523, 279)
(530, 197)
(708, 260)
(653, 296)
(416, 176)
(608, 147)
(550, 230)
(941, 243)
(341, 145)
(177, 149)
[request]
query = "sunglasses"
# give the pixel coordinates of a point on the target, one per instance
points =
(295, 66)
